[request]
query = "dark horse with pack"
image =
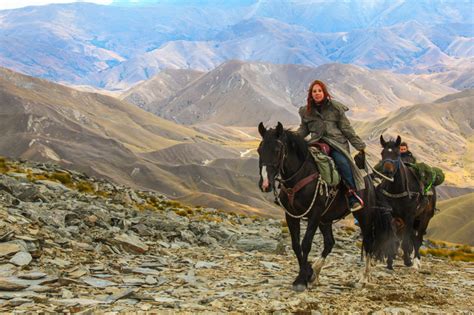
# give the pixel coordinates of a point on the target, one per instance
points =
(412, 207)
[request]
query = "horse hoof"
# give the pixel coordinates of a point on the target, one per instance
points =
(390, 267)
(299, 287)
(417, 264)
(408, 263)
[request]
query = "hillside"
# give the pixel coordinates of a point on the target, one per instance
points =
(241, 93)
(439, 133)
(161, 86)
(455, 222)
(106, 137)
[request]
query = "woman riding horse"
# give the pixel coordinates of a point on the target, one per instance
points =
(326, 121)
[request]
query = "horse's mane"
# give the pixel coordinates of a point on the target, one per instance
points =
(298, 143)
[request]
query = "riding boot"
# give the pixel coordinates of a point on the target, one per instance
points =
(344, 168)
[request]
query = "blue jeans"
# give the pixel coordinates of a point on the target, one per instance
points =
(344, 167)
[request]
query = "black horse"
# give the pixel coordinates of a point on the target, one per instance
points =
(285, 154)
(410, 208)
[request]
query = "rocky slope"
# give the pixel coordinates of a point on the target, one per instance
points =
(70, 243)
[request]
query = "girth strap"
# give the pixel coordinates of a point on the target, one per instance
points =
(290, 192)
(400, 195)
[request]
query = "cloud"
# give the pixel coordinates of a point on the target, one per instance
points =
(13, 4)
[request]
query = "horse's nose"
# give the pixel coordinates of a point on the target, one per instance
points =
(265, 184)
(388, 167)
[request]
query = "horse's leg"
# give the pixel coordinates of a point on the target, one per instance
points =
(367, 245)
(326, 230)
(407, 243)
(417, 241)
(294, 226)
(393, 245)
(306, 247)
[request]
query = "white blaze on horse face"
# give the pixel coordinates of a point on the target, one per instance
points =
(264, 175)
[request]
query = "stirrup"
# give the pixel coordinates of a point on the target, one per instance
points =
(357, 205)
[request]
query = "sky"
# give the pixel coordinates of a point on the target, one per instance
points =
(13, 4)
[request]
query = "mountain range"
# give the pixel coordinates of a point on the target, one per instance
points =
(114, 47)
(244, 93)
(205, 164)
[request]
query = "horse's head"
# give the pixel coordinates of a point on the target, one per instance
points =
(390, 155)
(271, 153)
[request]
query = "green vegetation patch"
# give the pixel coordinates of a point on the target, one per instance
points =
(62, 177)
(455, 252)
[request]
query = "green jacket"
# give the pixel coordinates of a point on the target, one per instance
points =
(332, 126)
(331, 123)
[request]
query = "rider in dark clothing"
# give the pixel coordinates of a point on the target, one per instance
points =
(406, 155)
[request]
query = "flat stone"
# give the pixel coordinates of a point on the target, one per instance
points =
(71, 302)
(19, 301)
(7, 270)
(133, 281)
(146, 271)
(150, 280)
(98, 283)
(257, 244)
(32, 275)
(205, 264)
(21, 259)
(59, 262)
(270, 265)
(120, 295)
(8, 284)
(9, 248)
(131, 243)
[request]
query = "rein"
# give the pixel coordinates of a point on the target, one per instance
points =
(291, 191)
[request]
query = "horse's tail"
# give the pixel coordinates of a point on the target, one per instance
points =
(384, 231)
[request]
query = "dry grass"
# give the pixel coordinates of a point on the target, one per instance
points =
(62, 177)
(455, 252)
(85, 187)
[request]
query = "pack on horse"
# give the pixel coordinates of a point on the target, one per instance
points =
(411, 208)
(284, 155)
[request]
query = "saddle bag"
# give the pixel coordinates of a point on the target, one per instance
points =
(321, 146)
(326, 167)
(429, 176)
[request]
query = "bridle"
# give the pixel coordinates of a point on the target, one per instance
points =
(291, 191)
(398, 166)
(396, 163)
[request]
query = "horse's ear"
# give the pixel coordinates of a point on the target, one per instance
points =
(382, 141)
(399, 140)
(261, 129)
(279, 129)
